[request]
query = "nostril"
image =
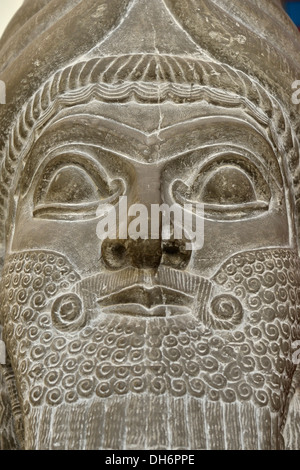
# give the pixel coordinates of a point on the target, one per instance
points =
(114, 254)
(175, 254)
(171, 249)
(118, 250)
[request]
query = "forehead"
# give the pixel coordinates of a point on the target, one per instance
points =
(152, 132)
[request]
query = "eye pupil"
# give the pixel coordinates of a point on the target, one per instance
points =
(228, 185)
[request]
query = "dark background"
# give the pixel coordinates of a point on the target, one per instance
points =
(293, 9)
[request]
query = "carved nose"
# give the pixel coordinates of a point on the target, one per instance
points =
(143, 254)
(149, 252)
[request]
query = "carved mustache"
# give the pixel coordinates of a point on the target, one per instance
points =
(132, 291)
(165, 292)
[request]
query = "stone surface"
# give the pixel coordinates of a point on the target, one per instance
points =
(146, 344)
(2, 353)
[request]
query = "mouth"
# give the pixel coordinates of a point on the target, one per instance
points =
(164, 292)
(158, 301)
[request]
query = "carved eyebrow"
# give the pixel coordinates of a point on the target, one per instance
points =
(195, 123)
(151, 140)
(111, 125)
(155, 137)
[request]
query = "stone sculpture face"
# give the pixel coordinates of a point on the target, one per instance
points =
(136, 344)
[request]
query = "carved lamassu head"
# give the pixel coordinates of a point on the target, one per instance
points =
(144, 343)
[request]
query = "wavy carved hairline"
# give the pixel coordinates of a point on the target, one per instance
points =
(146, 79)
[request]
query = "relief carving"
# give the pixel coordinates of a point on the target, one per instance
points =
(145, 343)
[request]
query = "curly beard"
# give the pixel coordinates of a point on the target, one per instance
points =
(214, 377)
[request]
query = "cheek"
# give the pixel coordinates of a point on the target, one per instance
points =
(223, 239)
(78, 241)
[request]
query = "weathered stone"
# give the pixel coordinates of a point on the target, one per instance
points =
(146, 343)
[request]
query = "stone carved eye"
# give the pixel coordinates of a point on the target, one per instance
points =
(230, 188)
(71, 186)
(228, 185)
(72, 192)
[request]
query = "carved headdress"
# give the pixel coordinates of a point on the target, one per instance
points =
(58, 52)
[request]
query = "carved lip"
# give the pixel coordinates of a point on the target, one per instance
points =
(147, 301)
(138, 292)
